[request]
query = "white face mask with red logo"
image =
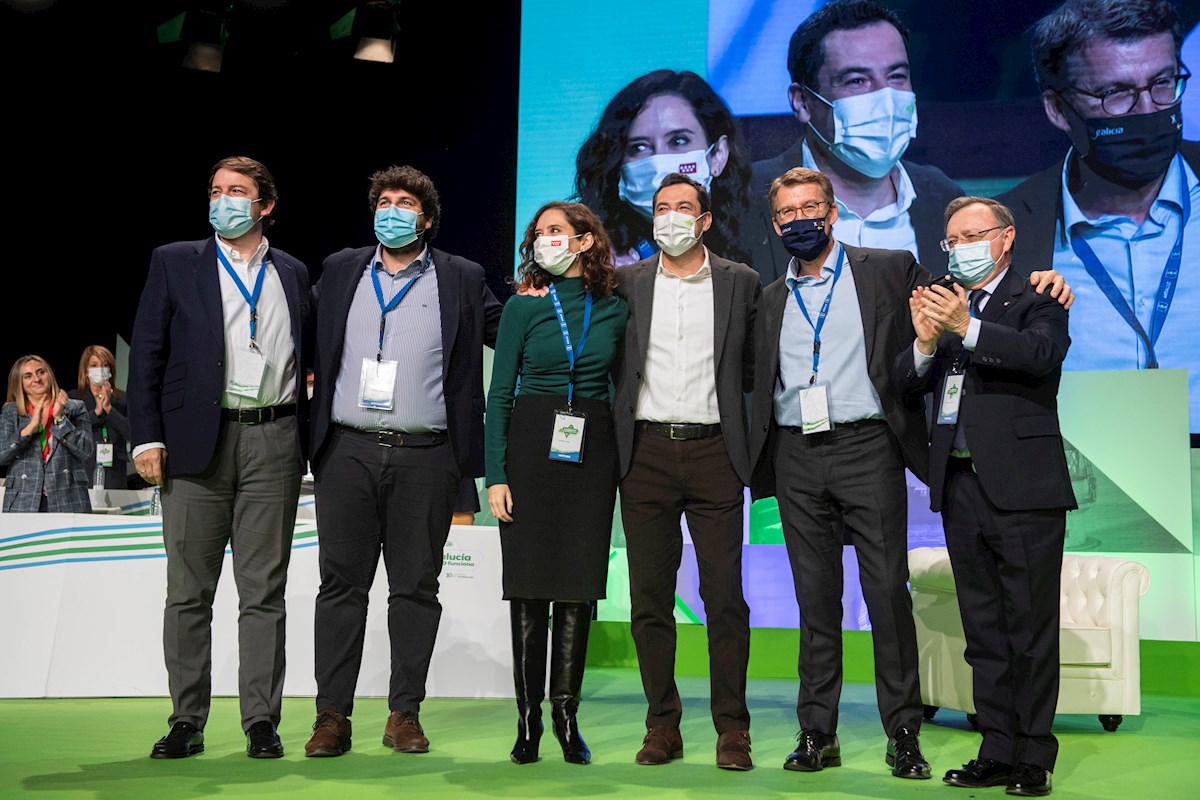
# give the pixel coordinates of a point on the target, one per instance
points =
(553, 253)
(640, 179)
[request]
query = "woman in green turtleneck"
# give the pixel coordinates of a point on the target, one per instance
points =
(555, 501)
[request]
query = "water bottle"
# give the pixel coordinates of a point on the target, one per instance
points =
(155, 503)
(98, 480)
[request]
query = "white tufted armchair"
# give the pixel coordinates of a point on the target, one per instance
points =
(1100, 665)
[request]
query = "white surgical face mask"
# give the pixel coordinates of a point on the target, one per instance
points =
(871, 131)
(640, 179)
(675, 232)
(553, 253)
(98, 375)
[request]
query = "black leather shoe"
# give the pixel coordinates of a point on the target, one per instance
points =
(1030, 780)
(904, 755)
(814, 751)
(184, 740)
(262, 741)
(979, 773)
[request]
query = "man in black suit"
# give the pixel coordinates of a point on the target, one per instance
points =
(217, 419)
(1117, 214)
(680, 419)
(830, 439)
(993, 360)
(851, 91)
(397, 428)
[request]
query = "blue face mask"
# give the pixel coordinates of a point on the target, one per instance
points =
(805, 238)
(971, 262)
(230, 216)
(396, 227)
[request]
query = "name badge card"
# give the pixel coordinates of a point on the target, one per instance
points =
(104, 454)
(566, 441)
(814, 409)
(248, 370)
(376, 384)
(952, 392)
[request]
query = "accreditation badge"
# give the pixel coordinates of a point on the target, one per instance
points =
(376, 384)
(952, 392)
(104, 454)
(566, 441)
(814, 409)
(249, 366)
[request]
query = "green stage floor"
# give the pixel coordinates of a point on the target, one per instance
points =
(97, 749)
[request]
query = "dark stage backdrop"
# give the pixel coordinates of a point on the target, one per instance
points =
(109, 143)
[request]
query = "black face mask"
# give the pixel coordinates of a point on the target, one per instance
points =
(1131, 151)
(805, 238)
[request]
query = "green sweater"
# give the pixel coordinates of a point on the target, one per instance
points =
(530, 343)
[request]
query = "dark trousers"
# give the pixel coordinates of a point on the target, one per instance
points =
(1008, 569)
(245, 500)
(855, 473)
(692, 478)
(372, 499)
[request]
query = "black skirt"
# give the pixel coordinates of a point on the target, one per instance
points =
(557, 546)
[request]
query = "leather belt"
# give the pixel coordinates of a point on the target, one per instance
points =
(398, 438)
(846, 427)
(680, 430)
(256, 416)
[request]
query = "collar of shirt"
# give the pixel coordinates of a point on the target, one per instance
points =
(827, 269)
(699, 275)
(905, 193)
(1169, 198)
(235, 257)
(413, 267)
(989, 288)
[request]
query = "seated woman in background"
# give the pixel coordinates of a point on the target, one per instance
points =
(107, 411)
(45, 441)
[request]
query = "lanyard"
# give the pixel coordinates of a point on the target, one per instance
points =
(1166, 284)
(573, 354)
(384, 308)
(837, 273)
(251, 299)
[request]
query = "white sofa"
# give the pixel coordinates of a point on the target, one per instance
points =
(1100, 666)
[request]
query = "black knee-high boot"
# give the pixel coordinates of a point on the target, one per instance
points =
(568, 653)
(530, 625)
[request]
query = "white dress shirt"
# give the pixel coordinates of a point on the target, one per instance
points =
(679, 379)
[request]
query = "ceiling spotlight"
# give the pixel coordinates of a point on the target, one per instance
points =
(375, 27)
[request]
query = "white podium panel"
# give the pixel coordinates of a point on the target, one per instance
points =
(84, 598)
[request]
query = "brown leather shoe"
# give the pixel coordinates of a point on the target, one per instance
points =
(662, 743)
(331, 734)
(404, 734)
(733, 750)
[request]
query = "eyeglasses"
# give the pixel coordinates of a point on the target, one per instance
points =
(967, 238)
(1120, 100)
(807, 211)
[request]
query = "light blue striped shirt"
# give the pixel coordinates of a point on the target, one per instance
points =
(1134, 256)
(412, 338)
(843, 365)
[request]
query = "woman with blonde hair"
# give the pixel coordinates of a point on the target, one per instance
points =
(45, 442)
(108, 412)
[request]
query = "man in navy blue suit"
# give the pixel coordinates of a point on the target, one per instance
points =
(217, 420)
(397, 430)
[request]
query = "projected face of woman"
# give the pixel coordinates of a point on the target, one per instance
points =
(667, 123)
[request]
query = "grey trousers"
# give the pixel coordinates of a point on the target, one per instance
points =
(246, 500)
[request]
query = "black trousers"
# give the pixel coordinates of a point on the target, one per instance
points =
(853, 473)
(1008, 570)
(695, 479)
(391, 501)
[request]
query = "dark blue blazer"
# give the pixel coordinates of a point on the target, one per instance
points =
(177, 356)
(470, 317)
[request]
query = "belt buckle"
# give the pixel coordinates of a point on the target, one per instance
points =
(249, 416)
(671, 432)
(381, 440)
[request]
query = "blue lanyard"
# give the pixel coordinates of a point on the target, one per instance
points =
(573, 354)
(1166, 284)
(384, 308)
(251, 299)
(837, 273)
